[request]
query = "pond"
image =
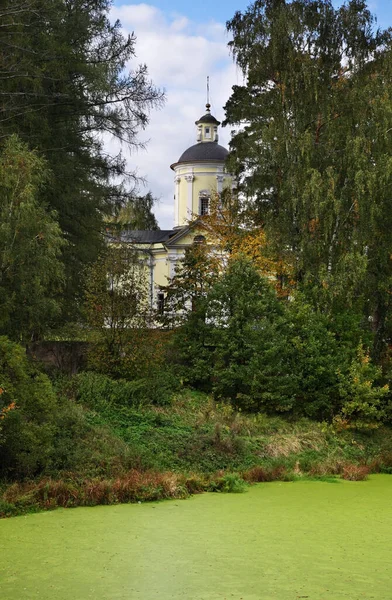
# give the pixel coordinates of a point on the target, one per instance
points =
(280, 541)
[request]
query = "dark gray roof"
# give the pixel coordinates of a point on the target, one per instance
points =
(207, 118)
(204, 151)
(147, 237)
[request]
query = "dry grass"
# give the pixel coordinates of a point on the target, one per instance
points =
(355, 472)
(287, 444)
(263, 474)
(133, 487)
(327, 467)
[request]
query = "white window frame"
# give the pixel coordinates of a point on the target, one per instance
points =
(204, 204)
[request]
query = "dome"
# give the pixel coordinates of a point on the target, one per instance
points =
(208, 118)
(207, 151)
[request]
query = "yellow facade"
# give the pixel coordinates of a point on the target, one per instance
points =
(193, 182)
(199, 175)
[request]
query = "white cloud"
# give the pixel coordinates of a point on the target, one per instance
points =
(179, 24)
(179, 55)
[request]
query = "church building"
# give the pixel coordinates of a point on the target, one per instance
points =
(199, 174)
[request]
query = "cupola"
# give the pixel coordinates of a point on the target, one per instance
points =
(207, 127)
(200, 172)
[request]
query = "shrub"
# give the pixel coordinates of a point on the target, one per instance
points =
(249, 339)
(353, 472)
(28, 430)
(75, 491)
(231, 483)
(260, 352)
(362, 400)
(98, 391)
(7, 509)
(261, 474)
(139, 354)
(195, 484)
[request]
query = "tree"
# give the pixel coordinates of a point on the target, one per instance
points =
(136, 214)
(187, 290)
(234, 234)
(251, 353)
(313, 154)
(185, 310)
(66, 88)
(363, 402)
(31, 242)
(117, 304)
(28, 407)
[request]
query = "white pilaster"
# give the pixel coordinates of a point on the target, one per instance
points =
(219, 183)
(177, 201)
(189, 179)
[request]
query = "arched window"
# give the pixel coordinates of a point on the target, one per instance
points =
(199, 239)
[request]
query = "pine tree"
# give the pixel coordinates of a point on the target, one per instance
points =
(65, 88)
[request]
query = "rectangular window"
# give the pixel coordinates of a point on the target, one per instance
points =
(208, 132)
(204, 205)
(161, 302)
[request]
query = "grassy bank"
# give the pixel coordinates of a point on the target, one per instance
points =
(106, 452)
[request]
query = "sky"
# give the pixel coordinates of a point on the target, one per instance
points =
(183, 42)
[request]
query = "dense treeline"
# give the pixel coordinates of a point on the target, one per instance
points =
(314, 152)
(313, 158)
(65, 88)
(290, 314)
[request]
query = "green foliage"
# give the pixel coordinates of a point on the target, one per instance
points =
(362, 400)
(135, 214)
(99, 392)
(265, 353)
(31, 271)
(117, 307)
(65, 87)
(28, 430)
(313, 154)
(231, 483)
(105, 451)
(318, 357)
(186, 291)
(40, 433)
(185, 309)
(249, 340)
(82, 446)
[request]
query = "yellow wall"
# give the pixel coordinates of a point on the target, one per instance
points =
(190, 180)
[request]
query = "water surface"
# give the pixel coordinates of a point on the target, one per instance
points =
(280, 541)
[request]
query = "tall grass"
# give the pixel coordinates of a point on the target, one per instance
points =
(116, 453)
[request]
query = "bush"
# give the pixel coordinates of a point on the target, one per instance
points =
(99, 391)
(136, 354)
(27, 431)
(355, 472)
(75, 491)
(231, 483)
(261, 352)
(8, 509)
(263, 474)
(245, 349)
(81, 446)
(362, 400)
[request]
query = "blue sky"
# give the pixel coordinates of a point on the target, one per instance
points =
(222, 10)
(182, 42)
(219, 10)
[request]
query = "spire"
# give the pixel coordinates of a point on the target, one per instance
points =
(207, 125)
(208, 105)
